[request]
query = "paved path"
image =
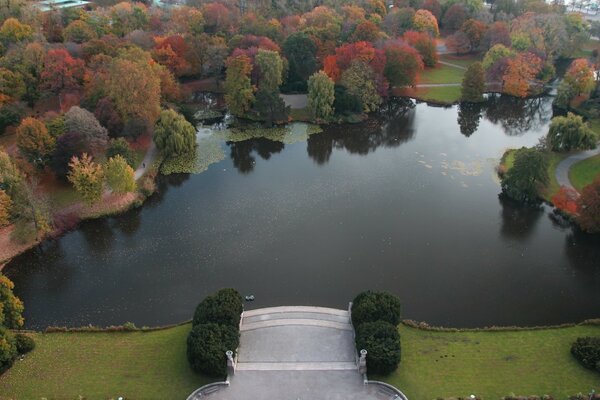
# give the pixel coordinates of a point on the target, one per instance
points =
(297, 353)
(562, 169)
(452, 65)
(147, 161)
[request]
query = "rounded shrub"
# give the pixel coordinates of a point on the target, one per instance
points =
(8, 349)
(206, 347)
(24, 343)
(382, 342)
(374, 306)
(224, 307)
(587, 351)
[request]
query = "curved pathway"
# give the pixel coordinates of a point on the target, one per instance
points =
(562, 169)
(297, 353)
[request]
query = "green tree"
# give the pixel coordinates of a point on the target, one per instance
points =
(270, 66)
(8, 349)
(570, 133)
(174, 135)
(121, 147)
(382, 342)
(87, 178)
(496, 53)
(321, 95)
(527, 176)
(473, 84)
(270, 107)
(11, 307)
(119, 175)
(239, 92)
(5, 208)
(372, 306)
(34, 141)
(12, 86)
(358, 79)
(79, 32)
(300, 51)
(206, 347)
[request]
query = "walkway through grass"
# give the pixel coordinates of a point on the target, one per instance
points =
(135, 365)
(584, 172)
(492, 364)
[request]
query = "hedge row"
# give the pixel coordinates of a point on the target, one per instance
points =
(12, 345)
(215, 330)
(587, 351)
(375, 316)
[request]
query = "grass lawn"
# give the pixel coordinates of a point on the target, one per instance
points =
(492, 364)
(442, 74)
(463, 61)
(443, 94)
(584, 172)
(135, 365)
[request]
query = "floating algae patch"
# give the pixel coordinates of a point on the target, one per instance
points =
(207, 152)
(474, 168)
(289, 134)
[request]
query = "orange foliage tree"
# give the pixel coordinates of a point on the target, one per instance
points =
(520, 74)
(566, 200)
(62, 71)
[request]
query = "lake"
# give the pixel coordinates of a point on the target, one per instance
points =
(406, 202)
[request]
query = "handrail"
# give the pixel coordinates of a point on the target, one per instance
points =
(199, 391)
(399, 394)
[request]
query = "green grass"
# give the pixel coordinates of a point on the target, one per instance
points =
(442, 74)
(463, 61)
(585, 172)
(135, 365)
(443, 94)
(492, 364)
(63, 196)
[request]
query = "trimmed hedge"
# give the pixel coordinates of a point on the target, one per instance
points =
(24, 343)
(374, 306)
(382, 342)
(224, 307)
(587, 351)
(206, 347)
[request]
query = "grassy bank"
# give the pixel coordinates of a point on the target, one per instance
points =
(584, 172)
(492, 364)
(508, 160)
(135, 365)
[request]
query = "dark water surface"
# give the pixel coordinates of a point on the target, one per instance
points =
(407, 203)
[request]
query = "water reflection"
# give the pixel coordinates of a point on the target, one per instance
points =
(469, 115)
(391, 128)
(518, 220)
(516, 115)
(242, 153)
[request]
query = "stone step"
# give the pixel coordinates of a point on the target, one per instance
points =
(248, 326)
(296, 315)
(297, 309)
(296, 366)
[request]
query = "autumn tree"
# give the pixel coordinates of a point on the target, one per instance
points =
(399, 20)
(217, 18)
(434, 7)
(171, 51)
(13, 31)
(300, 51)
(566, 200)
(78, 31)
(454, 17)
(473, 84)
(106, 113)
(579, 81)
(119, 175)
(366, 31)
(321, 95)
(12, 86)
(127, 17)
(520, 74)
(424, 21)
(270, 66)
(570, 133)
(133, 84)
(239, 93)
(359, 81)
(68, 145)
(61, 71)
(589, 207)
(83, 122)
(120, 147)
(425, 45)
(475, 30)
(497, 33)
(87, 178)
(11, 307)
(34, 141)
(496, 53)
(173, 134)
(403, 64)
(527, 176)
(459, 43)
(5, 208)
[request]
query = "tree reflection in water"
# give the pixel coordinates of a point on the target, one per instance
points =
(516, 115)
(469, 115)
(583, 251)
(517, 219)
(242, 152)
(391, 127)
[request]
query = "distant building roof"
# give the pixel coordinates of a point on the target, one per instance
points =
(48, 5)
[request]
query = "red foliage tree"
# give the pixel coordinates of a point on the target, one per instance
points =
(474, 30)
(366, 31)
(260, 42)
(171, 52)
(589, 207)
(424, 44)
(434, 7)
(217, 18)
(330, 66)
(497, 33)
(459, 43)
(403, 64)
(62, 71)
(521, 73)
(566, 200)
